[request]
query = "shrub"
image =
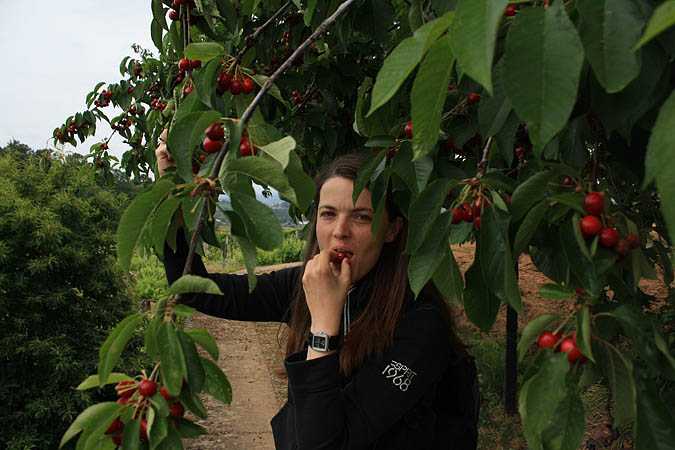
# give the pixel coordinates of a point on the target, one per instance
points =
(61, 294)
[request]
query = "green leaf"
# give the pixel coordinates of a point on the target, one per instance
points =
(474, 33)
(571, 199)
(265, 171)
(273, 91)
(131, 437)
(608, 31)
(583, 339)
(204, 339)
(262, 225)
(114, 344)
(662, 19)
(158, 432)
(160, 222)
(135, 217)
(188, 284)
(373, 163)
(404, 58)
(216, 382)
(250, 260)
(542, 66)
(159, 14)
(555, 291)
(195, 371)
(302, 184)
(88, 416)
(280, 150)
(533, 330)
(156, 34)
(172, 359)
(92, 380)
(481, 305)
(619, 374)
(424, 262)
(529, 192)
(528, 227)
(183, 310)
(173, 440)
(204, 51)
(205, 82)
(659, 161)
(189, 429)
(448, 279)
(424, 210)
(540, 395)
(160, 405)
(497, 263)
(654, 422)
(566, 428)
(180, 138)
(494, 110)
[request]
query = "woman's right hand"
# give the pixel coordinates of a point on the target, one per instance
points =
(164, 158)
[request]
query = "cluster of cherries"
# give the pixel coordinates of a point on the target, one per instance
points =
(156, 104)
(591, 225)
(235, 84)
(175, 6)
(130, 392)
(470, 212)
(213, 143)
(107, 95)
(567, 345)
(123, 124)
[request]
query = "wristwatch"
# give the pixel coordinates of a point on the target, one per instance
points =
(321, 342)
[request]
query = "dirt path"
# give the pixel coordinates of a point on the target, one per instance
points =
(245, 424)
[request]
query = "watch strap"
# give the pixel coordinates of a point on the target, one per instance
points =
(322, 342)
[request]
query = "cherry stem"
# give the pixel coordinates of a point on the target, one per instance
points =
(252, 39)
(569, 316)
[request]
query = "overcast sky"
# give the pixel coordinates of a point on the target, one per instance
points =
(55, 53)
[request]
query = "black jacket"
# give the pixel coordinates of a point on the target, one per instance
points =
(413, 396)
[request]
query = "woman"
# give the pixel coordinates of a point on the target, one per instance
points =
(369, 367)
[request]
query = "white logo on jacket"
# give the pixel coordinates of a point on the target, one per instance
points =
(400, 374)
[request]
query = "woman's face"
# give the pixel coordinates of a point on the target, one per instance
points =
(343, 226)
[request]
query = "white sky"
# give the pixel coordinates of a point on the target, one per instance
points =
(54, 54)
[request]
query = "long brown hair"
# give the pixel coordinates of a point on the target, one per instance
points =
(374, 329)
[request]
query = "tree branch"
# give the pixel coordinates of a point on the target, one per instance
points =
(251, 39)
(482, 165)
(320, 31)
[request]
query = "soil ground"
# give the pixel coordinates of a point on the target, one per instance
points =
(252, 357)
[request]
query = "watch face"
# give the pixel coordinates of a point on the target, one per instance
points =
(319, 342)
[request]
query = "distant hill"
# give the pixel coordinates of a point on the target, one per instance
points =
(279, 207)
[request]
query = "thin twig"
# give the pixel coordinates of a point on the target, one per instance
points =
(482, 165)
(252, 39)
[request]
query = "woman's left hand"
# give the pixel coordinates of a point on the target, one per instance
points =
(326, 284)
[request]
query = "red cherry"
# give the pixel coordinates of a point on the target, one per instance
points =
(215, 132)
(147, 388)
(510, 11)
(211, 146)
(144, 430)
(184, 64)
(574, 354)
(508, 200)
(457, 216)
(479, 206)
(567, 345)
(245, 148)
(477, 222)
(165, 394)
(235, 87)
(117, 438)
(408, 130)
(452, 87)
(187, 90)
(519, 151)
(633, 240)
(468, 213)
(580, 292)
(224, 81)
(608, 237)
(594, 203)
(472, 98)
(115, 426)
(125, 389)
(177, 410)
(195, 63)
(547, 339)
(392, 152)
(295, 94)
(247, 86)
(622, 247)
(590, 225)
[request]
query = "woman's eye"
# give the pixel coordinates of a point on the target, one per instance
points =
(363, 217)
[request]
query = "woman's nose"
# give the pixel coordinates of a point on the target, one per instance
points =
(341, 229)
